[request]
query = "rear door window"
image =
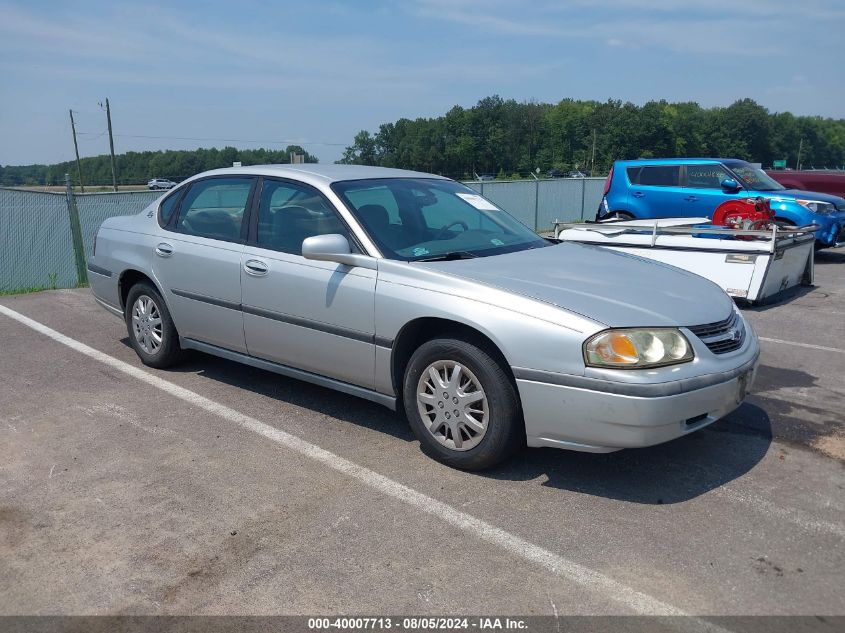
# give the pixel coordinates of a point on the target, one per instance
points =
(657, 176)
(214, 208)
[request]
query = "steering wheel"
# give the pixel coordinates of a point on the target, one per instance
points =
(442, 232)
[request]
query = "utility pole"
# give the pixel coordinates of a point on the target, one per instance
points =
(111, 146)
(76, 149)
(800, 147)
(75, 233)
(593, 161)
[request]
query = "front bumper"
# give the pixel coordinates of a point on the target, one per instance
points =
(576, 418)
(840, 239)
(832, 231)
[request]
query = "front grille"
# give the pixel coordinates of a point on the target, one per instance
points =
(723, 347)
(723, 336)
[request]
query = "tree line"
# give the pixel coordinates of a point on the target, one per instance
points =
(509, 138)
(139, 167)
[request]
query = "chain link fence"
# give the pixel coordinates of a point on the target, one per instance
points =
(36, 236)
(538, 203)
(96, 207)
(36, 228)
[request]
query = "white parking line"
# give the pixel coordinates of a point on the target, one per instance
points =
(805, 345)
(610, 589)
(793, 515)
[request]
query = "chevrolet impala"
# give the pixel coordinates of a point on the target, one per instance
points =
(415, 292)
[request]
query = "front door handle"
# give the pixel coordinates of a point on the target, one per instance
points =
(691, 198)
(638, 194)
(255, 267)
(164, 250)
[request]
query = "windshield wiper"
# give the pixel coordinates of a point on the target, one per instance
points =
(448, 257)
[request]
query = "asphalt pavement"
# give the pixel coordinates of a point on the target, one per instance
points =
(216, 488)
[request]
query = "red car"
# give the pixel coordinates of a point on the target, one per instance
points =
(832, 182)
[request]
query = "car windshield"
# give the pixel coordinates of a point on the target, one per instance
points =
(755, 178)
(415, 219)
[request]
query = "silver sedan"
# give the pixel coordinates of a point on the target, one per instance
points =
(413, 291)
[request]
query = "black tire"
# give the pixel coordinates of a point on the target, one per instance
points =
(168, 353)
(618, 216)
(505, 431)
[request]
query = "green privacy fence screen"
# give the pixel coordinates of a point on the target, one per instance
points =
(36, 236)
(538, 203)
(36, 242)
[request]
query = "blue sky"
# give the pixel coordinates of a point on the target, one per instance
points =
(315, 72)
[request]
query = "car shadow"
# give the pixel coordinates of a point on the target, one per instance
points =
(669, 473)
(776, 301)
(825, 257)
(828, 256)
(673, 472)
(292, 391)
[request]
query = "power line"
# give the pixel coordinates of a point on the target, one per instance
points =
(224, 140)
(94, 138)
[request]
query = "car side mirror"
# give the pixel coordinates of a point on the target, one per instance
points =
(729, 184)
(335, 248)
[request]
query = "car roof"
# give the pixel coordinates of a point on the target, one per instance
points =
(326, 173)
(680, 161)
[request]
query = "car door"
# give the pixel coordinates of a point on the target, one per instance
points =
(655, 191)
(197, 260)
(312, 315)
(703, 189)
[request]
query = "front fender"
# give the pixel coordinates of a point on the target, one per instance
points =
(799, 215)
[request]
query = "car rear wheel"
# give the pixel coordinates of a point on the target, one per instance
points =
(462, 406)
(151, 331)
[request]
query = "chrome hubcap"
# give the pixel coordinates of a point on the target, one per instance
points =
(146, 324)
(453, 405)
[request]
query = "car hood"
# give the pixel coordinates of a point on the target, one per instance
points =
(615, 289)
(838, 202)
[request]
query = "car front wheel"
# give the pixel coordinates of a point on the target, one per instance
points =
(462, 405)
(619, 216)
(151, 331)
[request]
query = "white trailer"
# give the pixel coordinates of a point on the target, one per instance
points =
(750, 265)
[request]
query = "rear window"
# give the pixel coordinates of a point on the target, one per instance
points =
(655, 175)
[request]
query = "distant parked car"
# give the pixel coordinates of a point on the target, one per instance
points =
(694, 187)
(487, 177)
(160, 183)
(825, 181)
(556, 173)
(413, 291)
(576, 174)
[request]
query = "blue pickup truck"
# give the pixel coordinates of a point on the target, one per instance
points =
(694, 187)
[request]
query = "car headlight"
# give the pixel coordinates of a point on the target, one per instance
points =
(816, 206)
(637, 348)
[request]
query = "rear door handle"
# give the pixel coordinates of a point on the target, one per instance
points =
(255, 267)
(638, 194)
(691, 198)
(164, 250)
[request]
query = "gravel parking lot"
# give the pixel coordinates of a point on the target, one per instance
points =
(221, 489)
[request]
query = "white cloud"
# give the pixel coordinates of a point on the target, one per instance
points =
(721, 27)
